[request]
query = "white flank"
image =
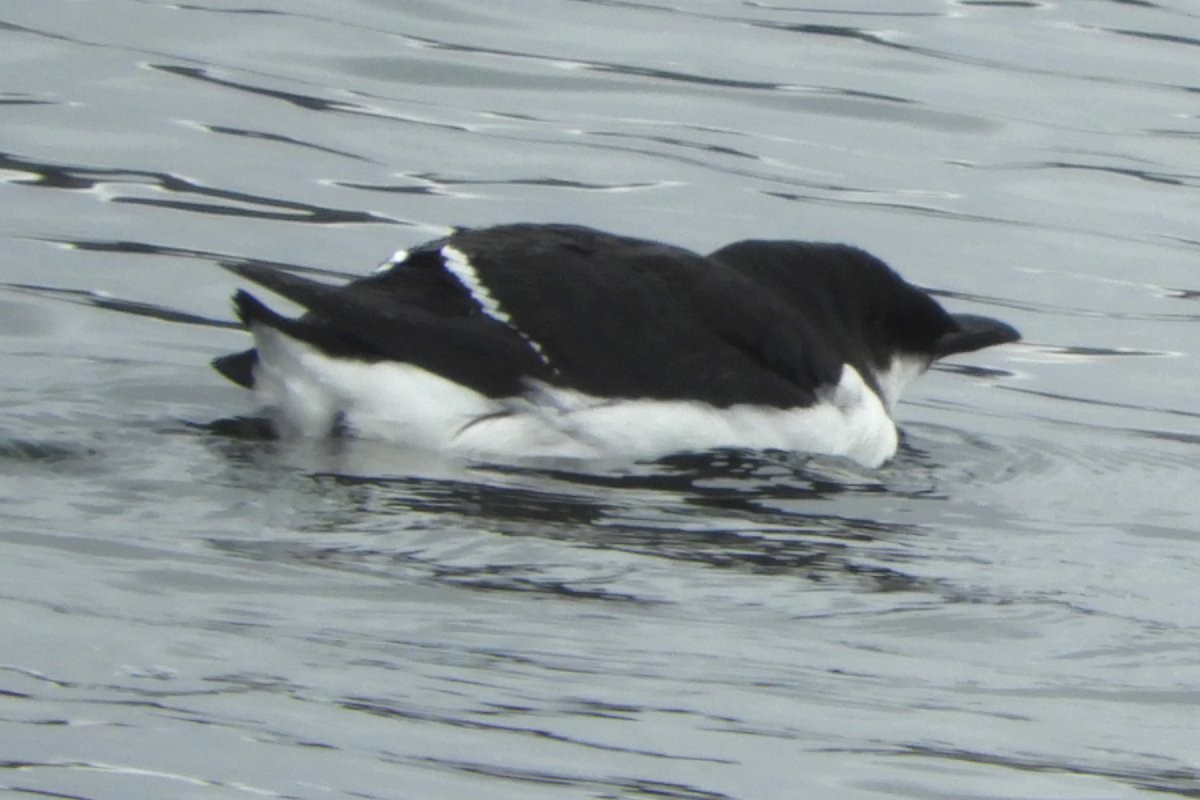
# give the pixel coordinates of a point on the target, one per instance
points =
(309, 393)
(460, 267)
(851, 421)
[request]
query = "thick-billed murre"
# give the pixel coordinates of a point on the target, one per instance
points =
(561, 340)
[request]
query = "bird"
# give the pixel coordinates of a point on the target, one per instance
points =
(564, 341)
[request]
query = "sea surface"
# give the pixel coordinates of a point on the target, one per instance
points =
(1009, 609)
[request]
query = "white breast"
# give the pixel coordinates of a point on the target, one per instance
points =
(903, 370)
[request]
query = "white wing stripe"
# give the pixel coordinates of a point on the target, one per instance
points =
(460, 267)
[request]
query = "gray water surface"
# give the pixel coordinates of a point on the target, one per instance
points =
(1008, 610)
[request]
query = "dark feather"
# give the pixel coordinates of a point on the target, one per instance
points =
(630, 318)
(365, 321)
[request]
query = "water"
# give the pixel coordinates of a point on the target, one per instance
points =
(1004, 611)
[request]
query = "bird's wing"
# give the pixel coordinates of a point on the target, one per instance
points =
(624, 317)
(365, 320)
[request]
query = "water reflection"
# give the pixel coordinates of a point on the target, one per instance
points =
(17, 452)
(734, 511)
(182, 193)
(443, 185)
(1181, 782)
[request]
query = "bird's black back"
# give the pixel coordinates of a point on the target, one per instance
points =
(755, 322)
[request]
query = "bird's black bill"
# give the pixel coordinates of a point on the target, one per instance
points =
(974, 333)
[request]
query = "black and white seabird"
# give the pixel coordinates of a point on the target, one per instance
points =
(561, 340)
